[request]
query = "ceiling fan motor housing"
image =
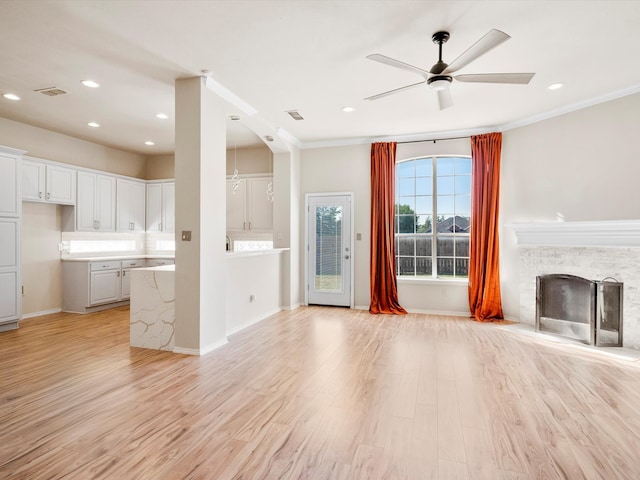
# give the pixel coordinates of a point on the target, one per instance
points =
(439, 82)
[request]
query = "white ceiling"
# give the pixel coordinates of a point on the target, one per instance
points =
(308, 56)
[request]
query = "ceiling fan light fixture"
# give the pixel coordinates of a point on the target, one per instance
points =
(439, 82)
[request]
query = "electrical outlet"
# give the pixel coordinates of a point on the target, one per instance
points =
(252, 297)
(186, 235)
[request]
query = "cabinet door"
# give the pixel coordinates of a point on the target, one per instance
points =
(106, 203)
(86, 204)
(33, 178)
(105, 286)
(169, 207)
(9, 270)
(9, 187)
(260, 207)
(236, 206)
(123, 205)
(137, 206)
(154, 207)
(60, 185)
(126, 284)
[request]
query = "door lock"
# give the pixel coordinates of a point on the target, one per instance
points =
(346, 257)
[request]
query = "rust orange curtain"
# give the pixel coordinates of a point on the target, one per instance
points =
(484, 268)
(384, 292)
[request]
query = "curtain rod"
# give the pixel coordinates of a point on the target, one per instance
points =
(435, 140)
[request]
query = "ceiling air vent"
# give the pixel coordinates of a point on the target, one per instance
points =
(51, 91)
(295, 114)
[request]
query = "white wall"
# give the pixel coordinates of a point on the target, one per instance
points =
(341, 169)
(347, 169)
(584, 165)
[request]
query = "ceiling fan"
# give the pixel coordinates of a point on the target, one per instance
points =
(439, 76)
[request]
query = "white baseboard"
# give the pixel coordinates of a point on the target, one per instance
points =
(253, 321)
(201, 351)
(26, 316)
(291, 307)
(425, 312)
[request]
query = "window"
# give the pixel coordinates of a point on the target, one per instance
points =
(433, 214)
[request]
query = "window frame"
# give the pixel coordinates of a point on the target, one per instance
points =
(434, 234)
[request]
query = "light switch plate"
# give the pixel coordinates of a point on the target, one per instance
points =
(186, 235)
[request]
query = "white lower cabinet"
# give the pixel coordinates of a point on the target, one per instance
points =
(95, 285)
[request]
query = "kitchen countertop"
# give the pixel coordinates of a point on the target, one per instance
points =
(251, 253)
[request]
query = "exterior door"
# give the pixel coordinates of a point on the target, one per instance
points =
(329, 248)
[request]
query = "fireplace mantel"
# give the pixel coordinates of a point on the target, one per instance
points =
(611, 233)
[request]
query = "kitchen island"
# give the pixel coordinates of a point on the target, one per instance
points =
(152, 309)
(252, 292)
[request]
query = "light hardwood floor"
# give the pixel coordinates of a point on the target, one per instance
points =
(316, 393)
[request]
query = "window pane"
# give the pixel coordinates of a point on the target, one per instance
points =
(445, 224)
(424, 266)
(463, 224)
(445, 204)
(462, 267)
(444, 166)
(446, 267)
(406, 186)
(445, 246)
(423, 224)
(405, 169)
(424, 167)
(462, 246)
(445, 185)
(406, 265)
(424, 204)
(463, 166)
(405, 224)
(328, 275)
(406, 246)
(406, 205)
(463, 185)
(423, 246)
(424, 186)
(463, 205)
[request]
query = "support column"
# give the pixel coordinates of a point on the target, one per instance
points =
(287, 221)
(200, 172)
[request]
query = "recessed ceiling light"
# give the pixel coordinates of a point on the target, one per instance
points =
(90, 83)
(348, 109)
(149, 142)
(162, 116)
(93, 124)
(555, 86)
(11, 96)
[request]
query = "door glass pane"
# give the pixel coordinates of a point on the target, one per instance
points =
(328, 275)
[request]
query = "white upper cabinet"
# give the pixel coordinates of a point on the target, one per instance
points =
(249, 208)
(96, 202)
(130, 205)
(9, 186)
(236, 205)
(260, 206)
(42, 182)
(161, 207)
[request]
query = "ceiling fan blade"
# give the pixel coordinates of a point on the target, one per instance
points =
(517, 78)
(376, 57)
(444, 99)
(490, 41)
(395, 90)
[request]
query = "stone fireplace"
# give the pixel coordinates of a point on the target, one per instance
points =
(591, 250)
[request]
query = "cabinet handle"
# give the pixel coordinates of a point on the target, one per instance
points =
(98, 224)
(244, 224)
(39, 194)
(131, 226)
(48, 195)
(249, 225)
(124, 272)
(160, 226)
(118, 274)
